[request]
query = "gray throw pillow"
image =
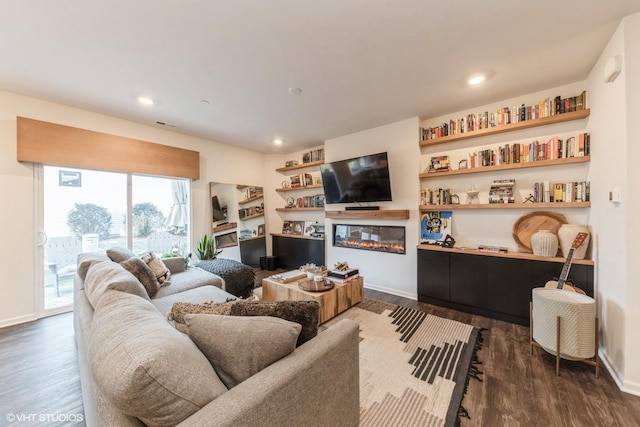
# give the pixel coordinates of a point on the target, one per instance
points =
(305, 313)
(143, 273)
(119, 254)
(239, 347)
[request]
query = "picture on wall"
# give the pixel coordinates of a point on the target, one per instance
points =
(435, 226)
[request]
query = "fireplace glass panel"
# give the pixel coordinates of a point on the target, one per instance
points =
(379, 238)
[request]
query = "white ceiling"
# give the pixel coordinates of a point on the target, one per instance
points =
(359, 63)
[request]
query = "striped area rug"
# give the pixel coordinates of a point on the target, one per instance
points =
(414, 367)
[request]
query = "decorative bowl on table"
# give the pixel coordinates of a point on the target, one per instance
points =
(313, 285)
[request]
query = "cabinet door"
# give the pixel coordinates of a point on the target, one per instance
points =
(468, 280)
(433, 274)
(509, 286)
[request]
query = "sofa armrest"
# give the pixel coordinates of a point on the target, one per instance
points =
(175, 264)
(316, 385)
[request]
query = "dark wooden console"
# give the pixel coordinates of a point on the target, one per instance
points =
(493, 286)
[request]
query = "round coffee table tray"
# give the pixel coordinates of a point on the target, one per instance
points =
(310, 285)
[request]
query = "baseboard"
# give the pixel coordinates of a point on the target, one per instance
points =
(391, 291)
(18, 320)
(624, 385)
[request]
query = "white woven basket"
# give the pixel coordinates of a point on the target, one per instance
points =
(577, 322)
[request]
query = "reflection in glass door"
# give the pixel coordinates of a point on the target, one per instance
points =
(83, 211)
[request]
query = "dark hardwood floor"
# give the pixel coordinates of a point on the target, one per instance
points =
(40, 380)
(519, 389)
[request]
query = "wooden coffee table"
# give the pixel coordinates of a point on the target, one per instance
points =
(332, 302)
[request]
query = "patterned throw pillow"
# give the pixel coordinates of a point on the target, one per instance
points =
(143, 273)
(305, 313)
(157, 266)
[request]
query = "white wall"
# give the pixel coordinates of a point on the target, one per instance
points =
(392, 273)
(614, 120)
(490, 226)
(18, 296)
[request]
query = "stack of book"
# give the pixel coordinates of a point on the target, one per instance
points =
(343, 276)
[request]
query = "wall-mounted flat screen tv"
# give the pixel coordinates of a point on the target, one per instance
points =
(360, 179)
(218, 213)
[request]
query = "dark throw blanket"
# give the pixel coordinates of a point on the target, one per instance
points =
(239, 278)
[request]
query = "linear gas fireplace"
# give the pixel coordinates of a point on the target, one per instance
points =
(379, 238)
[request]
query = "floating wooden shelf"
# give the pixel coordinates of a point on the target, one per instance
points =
(250, 199)
(300, 166)
(252, 216)
(251, 238)
(536, 164)
(559, 118)
(516, 255)
(296, 236)
(298, 209)
(306, 187)
(224, 227)
(365, 214)
(559, 205)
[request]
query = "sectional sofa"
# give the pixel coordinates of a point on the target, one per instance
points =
(137, 369)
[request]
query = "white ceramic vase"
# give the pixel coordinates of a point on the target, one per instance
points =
(544, 243)
(567, 234)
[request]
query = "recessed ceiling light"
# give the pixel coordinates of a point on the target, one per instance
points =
(277, 141)
(476, 79)
(146, 100)
(295, 90)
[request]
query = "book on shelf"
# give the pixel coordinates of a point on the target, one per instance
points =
(301, 180)
(313, 156)
(505, 116)
(495, 249)
(502, 191)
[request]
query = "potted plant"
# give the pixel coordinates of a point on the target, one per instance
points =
(206, 248)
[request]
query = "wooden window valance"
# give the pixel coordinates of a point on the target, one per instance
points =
(53, 144)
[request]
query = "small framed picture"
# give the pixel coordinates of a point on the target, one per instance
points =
(261, 230)
(287, 227)
(298, 227)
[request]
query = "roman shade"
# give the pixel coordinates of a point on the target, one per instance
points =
(59, 145)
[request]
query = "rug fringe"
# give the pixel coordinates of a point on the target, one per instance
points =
(474, 372)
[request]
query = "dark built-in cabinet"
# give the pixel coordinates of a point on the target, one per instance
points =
(294, 251)
(496, 287)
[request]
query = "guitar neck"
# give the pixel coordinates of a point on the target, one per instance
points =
(564, 274)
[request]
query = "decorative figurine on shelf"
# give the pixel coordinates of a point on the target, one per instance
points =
(462, 164)
(341, 266)
(455, 199)
(291, 202)
(472, 196)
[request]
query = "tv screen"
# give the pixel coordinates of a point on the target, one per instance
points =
(361, 179)
(218, 214)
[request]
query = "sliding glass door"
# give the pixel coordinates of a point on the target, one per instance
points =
(86, 210)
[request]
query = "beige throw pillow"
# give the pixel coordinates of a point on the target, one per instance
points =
(239, 347)
(145, 367)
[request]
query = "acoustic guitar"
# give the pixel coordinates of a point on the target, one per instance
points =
(562, 282)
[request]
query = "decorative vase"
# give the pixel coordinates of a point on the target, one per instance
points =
(567, 234)
(544, 243)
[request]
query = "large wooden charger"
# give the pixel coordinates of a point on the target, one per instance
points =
(531, 223)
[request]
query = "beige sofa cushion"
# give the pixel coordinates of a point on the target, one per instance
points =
(86, 259)
(239, 347)
(144, 366)
(102, 276)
